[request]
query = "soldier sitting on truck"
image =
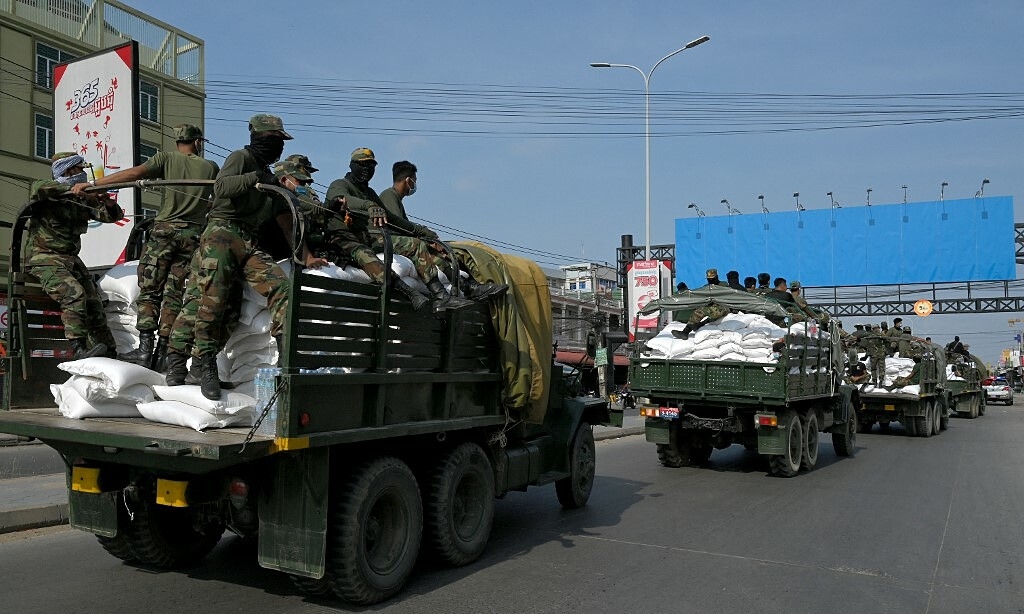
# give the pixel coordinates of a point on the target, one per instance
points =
(57, 221)
(858, 373)
(914, 377)
(711, 312)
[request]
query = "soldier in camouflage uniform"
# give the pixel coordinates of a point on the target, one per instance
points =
(57, 220)
(875, 346)
(229, 253)
(404, 181)
(363, 209)
(914, 377)
(164, 263)
(712, 312)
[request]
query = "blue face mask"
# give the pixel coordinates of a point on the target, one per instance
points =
(302, 190)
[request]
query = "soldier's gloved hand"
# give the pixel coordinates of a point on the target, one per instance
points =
(378, 217)
(266, 177)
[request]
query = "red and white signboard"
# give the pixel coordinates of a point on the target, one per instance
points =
(647, 280)
(95, 101)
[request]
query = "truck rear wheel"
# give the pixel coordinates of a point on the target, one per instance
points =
(924, 423)
(682, 450)
(787, 464)
(377, 523)
(574, 491)
(935, 410)
(809, 456)
(459, 505)
(844, 437)
(980, 400)
(119, 546)
(312, 586)
(167, 538)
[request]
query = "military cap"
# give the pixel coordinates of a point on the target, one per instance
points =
(187, 132)
(897, 320)
(262, 122)
(884, 325)
(906, 329)
(363, 154)
(794, 285)
(876, 327)
(302, 161)
(711, 273)
(290, 169)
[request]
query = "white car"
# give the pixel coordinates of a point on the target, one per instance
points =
(999, 390)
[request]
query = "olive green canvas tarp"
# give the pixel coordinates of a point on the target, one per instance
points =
(522, 322)
(737, 300)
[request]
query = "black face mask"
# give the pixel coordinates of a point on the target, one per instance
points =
(266, 147)
(362, 173)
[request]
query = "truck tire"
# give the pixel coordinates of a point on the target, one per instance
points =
(981, 405)
(974, 408)
(459, 505)
(844, 439)
(910, 425)
(312, 586)
(376, 526)
(681, 451)
(944, 415)
(119, 546)
(936, 417)
(166, 537)
(809, 455)
(788, 464)
(574, 491)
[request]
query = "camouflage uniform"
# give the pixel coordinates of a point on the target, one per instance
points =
(57, 222)
(163, 265)
(875, 346)
(700, 316)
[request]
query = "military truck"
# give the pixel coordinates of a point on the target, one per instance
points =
(776, 406)
(965, 394)
(923, 413)
(435, 416)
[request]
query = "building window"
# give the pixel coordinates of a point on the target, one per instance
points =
(44, 136)
(146, 152)
(149, 101)
(46, 58)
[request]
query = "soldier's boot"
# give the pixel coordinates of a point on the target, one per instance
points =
(444, 301)
(418, 299)
(683, 334)
(160, 355)
(142, 355)
(80, 348)
(176, 370)
(210, 383)
(472, 289)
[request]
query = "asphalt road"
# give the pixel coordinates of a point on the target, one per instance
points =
(906, 525)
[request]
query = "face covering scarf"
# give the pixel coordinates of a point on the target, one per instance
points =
(267, 148)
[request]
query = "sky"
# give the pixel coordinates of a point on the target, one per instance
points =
(520, 143)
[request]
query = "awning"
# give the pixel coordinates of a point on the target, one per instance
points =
(579, 357)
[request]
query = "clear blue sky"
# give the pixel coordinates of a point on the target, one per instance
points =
(518, 140)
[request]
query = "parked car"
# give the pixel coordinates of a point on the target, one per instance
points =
(999, 390)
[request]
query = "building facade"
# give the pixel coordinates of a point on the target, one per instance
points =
(35, 35)
(576, 308)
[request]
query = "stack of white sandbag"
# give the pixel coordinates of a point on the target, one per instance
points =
(738, 336)
(895, 367)
(952, 374)
(186, 406)
(119, 288)
(104, 388)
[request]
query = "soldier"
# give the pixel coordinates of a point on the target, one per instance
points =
(732, 278)
(711, 312)
(164, 263)
(906, 344)
(404, 180)
(795, 290)
(858, 373)
(763, 279)
(57, 220)
(874, 345)
(712, 277)
(750, 284)
(897, 325)
(363, 208)
(228, 250)
(780, 293)
(914, 377)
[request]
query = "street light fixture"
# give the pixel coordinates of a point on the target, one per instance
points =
(694, 206)
(764, 209)
(869, 197)
(981, 192)
(942, 191)
(799, 207)
(647, 126)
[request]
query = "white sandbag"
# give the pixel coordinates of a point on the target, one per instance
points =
(121, 283)
(707, 334)
(182, 414)
(72, 405)
(734, 356)
(730, 347)
(706, 354)
(264, 344)
(401, 265)
(747, 319)
(248, 312)
(94, 389)
(117, 374)
(230, 402)
(357, 274)
(125, 340)
(730, 324)
(119, 306)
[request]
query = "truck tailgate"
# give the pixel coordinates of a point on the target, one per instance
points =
(117, 435)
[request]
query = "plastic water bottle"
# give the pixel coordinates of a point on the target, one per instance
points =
(265, 383)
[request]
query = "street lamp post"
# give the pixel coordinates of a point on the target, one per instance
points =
(647, 127)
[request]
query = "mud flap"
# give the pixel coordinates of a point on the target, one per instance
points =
(771, 440)
(93, 512)
(293, 513)
(658, 430)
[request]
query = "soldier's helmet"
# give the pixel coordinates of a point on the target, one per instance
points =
(264, 122)
(907, 330)
(187, 132)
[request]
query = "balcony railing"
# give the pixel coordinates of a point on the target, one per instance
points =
(106, 23)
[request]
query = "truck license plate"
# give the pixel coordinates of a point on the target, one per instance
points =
(889, 407)
(669, 412)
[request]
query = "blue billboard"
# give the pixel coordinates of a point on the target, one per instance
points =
(925, 242)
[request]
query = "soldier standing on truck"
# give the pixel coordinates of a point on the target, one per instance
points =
(228, 249)
(362, 208)
(164, 263)
(57, 221)
(404, 180)
(874, 344)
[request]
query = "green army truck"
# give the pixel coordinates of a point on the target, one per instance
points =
(922, 414)
(776, 408)
(402, 454)
(965, 394)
